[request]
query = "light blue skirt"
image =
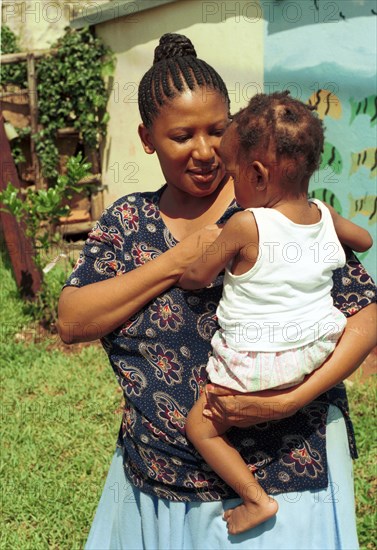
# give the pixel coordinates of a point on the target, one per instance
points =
(127, 519)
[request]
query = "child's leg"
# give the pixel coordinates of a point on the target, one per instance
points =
(207, 436)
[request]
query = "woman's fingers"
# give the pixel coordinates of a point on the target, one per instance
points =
(214, 389)
(242, 410)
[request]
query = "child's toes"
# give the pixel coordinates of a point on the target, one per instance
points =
(227, 515)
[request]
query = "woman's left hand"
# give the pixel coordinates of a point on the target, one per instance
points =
(246, 409)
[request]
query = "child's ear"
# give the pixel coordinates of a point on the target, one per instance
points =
(146, 139)
(262, 175)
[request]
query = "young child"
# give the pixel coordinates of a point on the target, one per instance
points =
(276, 316)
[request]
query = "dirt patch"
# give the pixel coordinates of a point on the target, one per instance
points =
(37, 333)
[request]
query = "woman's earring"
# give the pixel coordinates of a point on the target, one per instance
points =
(260, 186)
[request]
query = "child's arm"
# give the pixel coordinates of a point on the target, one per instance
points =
(349, 233)
(240, 230)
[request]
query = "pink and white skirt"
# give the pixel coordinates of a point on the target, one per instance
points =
(251, 371)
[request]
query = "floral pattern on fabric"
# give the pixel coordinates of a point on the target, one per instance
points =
(131, 379)
(129, 419)
(156, 433)
(351, 303)
(164, 361)
(198, 381)
(207, 322)
(130, 326)
(298, 455)
(151, 210)
(357, 271)
(165, 314)
(159, 357)
(207, 486)
(102, 233)
(158, 467)
(108, 264)
(317, 417)
(128, 216)
(173, 416)
(141, 253)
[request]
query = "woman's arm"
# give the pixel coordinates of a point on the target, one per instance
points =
(349, 233)
(92, 311)
(243, 410)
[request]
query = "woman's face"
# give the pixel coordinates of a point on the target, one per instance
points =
(186, 136)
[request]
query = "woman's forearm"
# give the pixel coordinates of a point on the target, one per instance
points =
(92, 311)
(242, 410)
(357, 341)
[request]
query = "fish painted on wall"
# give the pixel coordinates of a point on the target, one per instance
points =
(326, 104)
(366, 106)
(346, 15)
(366, 158)
(326, 195)
(366, 205)
(331, 157)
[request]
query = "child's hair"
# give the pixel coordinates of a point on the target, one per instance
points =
(286, 124)
(175, 68)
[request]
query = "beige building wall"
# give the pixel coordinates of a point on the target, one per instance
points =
(39, 23)
(228, 35)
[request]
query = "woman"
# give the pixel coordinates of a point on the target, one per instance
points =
(158, 340)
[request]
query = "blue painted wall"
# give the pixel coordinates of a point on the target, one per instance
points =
(325, 53)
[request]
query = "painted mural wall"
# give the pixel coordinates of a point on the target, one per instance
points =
(325, 54)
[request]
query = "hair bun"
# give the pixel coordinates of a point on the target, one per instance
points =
(173, 45)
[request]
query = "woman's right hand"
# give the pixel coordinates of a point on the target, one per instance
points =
(198, 244)
(93, 311)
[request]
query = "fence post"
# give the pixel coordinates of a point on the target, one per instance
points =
(19, 246)
(33, 104)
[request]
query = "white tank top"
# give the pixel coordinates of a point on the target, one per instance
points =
(284, 301)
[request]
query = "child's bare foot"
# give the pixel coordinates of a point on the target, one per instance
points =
(249, 515)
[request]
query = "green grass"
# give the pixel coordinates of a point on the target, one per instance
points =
(363, 399)
(59, 421)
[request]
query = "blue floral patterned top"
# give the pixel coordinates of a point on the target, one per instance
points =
(159, 358)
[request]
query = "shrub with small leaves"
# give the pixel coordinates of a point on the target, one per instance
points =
(14, 73)
(72, 93)
(40, 210)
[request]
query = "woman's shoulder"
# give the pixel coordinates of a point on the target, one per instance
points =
(136, 198)
(132, 204)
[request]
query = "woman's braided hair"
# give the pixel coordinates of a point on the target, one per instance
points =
(286, 124)
(175, 68)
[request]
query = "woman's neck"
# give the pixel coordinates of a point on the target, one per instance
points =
(183, 214)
